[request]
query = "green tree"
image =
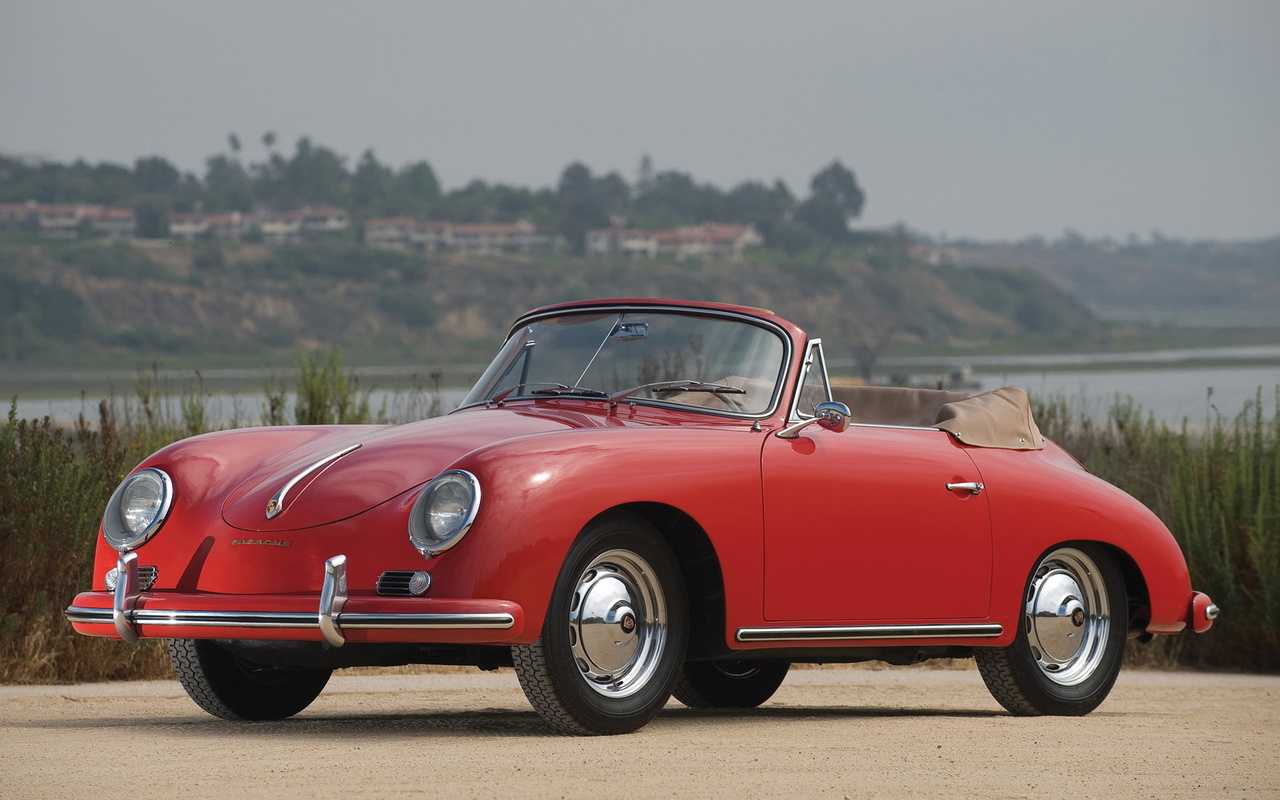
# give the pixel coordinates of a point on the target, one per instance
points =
(227, 184)
(471, 203)
(155, 174)
(837, 183)
(824, 216)
(835, 200)
(113, 185)
(753, 203)
(315, 175)
(373, 186)
(675, 198)
(152, 215)
(586, 202)
(417, 184)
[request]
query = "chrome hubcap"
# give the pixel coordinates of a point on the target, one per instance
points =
(1067, 616)
(617, 623)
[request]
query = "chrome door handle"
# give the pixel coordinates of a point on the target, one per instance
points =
(973, 486)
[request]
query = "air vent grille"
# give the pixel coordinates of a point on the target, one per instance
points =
(404, 583)
(146, 578)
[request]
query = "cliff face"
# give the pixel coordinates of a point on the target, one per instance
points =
(57, 303)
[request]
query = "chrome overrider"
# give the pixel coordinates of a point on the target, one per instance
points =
(329, 618)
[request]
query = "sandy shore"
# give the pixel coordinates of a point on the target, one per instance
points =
(841, 732)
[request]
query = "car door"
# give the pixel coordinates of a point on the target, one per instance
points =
(860, 525)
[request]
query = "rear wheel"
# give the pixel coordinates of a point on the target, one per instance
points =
(1070, 641)
(729, 684)
(615, 632)
(231, 688)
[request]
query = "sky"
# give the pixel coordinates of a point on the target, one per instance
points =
(979, 120)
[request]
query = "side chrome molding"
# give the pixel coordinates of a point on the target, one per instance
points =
(832, 633)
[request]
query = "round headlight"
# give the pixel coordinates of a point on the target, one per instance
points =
(137, 509)
(444, 511)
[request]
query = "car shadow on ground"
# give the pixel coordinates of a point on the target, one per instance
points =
(496, 722)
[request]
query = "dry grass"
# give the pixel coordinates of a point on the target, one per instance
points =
(1219, 490)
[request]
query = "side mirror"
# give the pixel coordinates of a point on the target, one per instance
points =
(832, 415)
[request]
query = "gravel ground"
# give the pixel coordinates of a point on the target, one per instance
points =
(834, 732)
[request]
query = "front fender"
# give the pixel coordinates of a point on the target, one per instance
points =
(540, 492)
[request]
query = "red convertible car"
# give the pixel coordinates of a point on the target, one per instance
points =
(640, 498)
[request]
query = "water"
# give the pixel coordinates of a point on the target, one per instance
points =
(243, 409)
(1169, 394)
(1171, 384)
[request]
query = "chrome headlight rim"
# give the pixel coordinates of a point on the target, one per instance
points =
(427, 542)
(115, 531)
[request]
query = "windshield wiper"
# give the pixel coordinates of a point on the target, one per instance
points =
(677, 386)
(560, 389)
(556, 389)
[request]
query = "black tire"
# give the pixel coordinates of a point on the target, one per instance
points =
(1071, 637)
(615, 633)
(231, 688)
(729, 684)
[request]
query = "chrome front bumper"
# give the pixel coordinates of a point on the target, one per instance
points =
(131, 612)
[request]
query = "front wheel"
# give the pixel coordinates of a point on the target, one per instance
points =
(229, 687)
(729, 684)
(1070, 642)
(615, 632)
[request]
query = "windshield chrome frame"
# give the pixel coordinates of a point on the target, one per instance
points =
(813, 354)
(780, 381)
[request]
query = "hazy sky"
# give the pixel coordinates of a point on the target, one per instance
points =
(966, 119)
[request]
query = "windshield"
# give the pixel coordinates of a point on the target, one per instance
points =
(715, 363)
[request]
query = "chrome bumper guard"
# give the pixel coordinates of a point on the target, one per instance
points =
(329, 619)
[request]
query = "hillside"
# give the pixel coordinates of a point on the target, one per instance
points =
(1233, 279)
(94, 302)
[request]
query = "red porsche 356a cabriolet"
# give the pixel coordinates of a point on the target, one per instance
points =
(640, 498)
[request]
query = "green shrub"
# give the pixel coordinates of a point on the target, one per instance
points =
(1217, 486)
(54, 483)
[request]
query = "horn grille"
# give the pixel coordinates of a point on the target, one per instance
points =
(404, 583)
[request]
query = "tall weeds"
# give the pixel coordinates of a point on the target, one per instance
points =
(53, 485)
(324, 394)
(1215, 483)
(1217, 486)
(56, 479)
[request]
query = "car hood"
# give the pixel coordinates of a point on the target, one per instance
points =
(338, 472)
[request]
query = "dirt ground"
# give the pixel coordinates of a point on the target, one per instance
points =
(838, 732)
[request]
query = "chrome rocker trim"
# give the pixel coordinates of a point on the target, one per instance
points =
(329, 619)
(826, 633)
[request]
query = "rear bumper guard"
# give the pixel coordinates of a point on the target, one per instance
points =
(1203, 612)
(331, 618)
